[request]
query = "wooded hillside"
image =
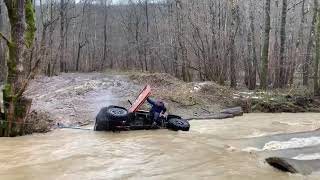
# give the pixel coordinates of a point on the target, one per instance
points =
(230, 42)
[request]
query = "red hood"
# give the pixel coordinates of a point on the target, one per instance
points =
(141, 99)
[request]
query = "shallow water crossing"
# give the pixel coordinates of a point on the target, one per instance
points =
(211, 150)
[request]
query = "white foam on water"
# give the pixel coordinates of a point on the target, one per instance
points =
(291, 123)
(307, 156)
(251, 149)
(257, 133)
(292, 143)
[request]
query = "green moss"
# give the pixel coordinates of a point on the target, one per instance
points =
(19, 110)
(11, 63)
(6, 93)
(31, 25)
(6, 90)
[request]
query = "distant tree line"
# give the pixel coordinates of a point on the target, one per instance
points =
(261, 44)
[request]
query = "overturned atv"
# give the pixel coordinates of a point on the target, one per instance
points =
(115, 118)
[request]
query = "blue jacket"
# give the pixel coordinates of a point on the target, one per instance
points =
(156, 108)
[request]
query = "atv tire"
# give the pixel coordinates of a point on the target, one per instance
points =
(110, 117)
(101, 123)
(116, 113)
(176, 124)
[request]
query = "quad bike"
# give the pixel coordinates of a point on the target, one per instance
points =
(115, 118)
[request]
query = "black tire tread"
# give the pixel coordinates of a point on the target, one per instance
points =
(113, 117)
(176, 124)
(105, 121)
(101, 122)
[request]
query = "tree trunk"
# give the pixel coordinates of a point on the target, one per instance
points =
(281, 77)
(2, 45)
(146, 42)
(81, 44)
(78, 58)
(306, 64)
(22, 20)
(234, 29)
(317, 58)
(265, 50)
(253, 63)
(105, 37)
(51, 62)
(62, 34)
(300, 43)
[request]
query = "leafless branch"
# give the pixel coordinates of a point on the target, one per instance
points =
(4, 38)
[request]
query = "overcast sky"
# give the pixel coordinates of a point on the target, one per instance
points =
(113, 1)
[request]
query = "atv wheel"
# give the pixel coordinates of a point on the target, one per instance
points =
(101, 123)
(178, 124)
(110, 117)
(116, 113)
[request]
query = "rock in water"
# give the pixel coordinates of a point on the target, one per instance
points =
(304, 167)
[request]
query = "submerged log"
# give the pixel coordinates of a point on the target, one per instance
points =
(236, 111)
(304, 167)
(223, 116)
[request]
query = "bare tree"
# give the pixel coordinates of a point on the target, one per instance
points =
(193, 40)
(306, 69)
(62, 63)
(317, 58)
(300, 43)
(252, 59)
(22, 22)
(2, 45)
(235, 23)
(265, 51)
(280, 79)
(81, 43)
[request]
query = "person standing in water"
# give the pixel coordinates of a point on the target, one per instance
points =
(157, 110)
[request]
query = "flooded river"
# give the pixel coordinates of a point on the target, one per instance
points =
(211, 150)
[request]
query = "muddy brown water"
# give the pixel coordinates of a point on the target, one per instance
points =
(211, 150)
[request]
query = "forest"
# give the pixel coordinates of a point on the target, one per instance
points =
(227, 87)
(236, 43)
(260, 44)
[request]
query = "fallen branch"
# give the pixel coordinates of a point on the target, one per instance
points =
(5, 38)
(30, 77)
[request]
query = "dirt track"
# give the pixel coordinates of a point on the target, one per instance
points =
(75, 99)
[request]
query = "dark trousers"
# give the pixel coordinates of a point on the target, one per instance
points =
(155, 116)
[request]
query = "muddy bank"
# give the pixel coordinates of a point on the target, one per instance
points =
(201, 98)
(273, 102)
(211, 97)
(74, 99)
